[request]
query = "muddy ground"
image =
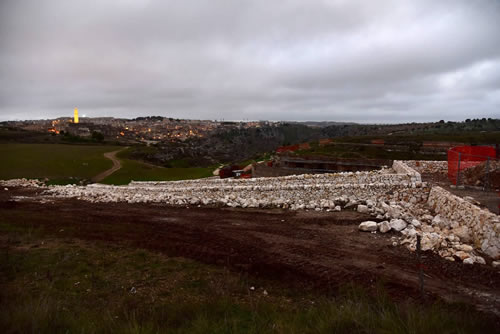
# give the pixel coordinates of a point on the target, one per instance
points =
(305, 249)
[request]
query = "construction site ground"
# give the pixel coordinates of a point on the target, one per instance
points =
(305, 249)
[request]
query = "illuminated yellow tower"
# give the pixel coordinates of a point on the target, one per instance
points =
(75, 119)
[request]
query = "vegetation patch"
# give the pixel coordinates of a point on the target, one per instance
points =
(138, 171)
(59, 163)
(61, 285)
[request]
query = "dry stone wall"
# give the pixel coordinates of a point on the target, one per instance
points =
(453, 227)
(402, 168)
(430, 166)
(385, 176)
(288, 196)
(308, 191)
(479, 226)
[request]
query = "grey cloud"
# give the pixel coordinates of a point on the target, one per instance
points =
(367, 61)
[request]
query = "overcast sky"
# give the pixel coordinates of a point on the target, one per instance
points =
(338, 60)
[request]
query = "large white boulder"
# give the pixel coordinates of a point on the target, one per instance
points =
(462, 255)
(416, 223)
(398, 224)
(368, 226)
(384, 227)
(362, 208)
(463, 232)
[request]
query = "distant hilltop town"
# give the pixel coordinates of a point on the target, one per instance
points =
(212, 140)
(144, 129)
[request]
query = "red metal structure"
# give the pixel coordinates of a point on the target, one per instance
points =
(463, 157)
(291, 148)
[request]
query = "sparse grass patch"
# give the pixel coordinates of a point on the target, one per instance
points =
(60, 285)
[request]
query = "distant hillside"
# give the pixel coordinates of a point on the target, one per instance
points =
(233, 145)
(229, 145)
(342, 130)
(230, 142)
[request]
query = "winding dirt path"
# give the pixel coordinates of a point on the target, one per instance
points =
(116, 165)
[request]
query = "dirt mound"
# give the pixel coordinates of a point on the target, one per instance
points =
(482, 174)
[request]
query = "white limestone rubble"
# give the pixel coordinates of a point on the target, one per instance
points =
(32, 183)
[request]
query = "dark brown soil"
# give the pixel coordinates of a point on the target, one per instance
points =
(317, 250)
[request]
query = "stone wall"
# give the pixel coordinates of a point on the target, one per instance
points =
(292, 192)
(295, 165)
(387, 177)
(402, 168)
(431, 166)
(480, 225)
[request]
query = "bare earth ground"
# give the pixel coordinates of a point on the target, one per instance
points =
(116, 166)
(318, 250)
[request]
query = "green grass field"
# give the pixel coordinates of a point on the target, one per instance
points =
(50, 283)
(137, 171)
(57, 162)
(65, 164)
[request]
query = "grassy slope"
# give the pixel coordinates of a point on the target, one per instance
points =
(63, 164)
(139, 171)
(55, 284)
(60, 163)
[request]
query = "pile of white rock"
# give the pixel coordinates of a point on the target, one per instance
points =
(31, 183)
(447, 243)
(438, 234)
(448, 225)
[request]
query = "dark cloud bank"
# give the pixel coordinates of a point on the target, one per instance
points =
(364, 61)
